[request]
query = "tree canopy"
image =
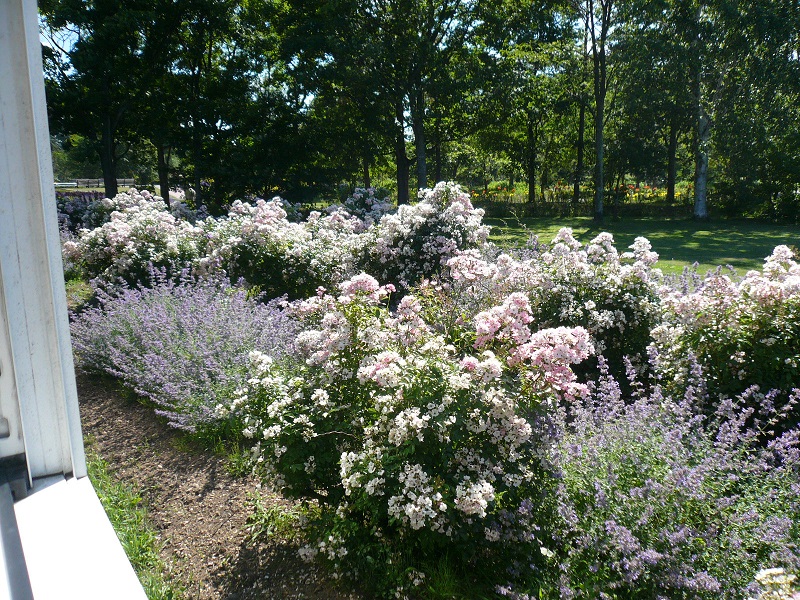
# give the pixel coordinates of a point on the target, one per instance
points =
(291, 97)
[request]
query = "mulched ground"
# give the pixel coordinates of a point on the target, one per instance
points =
(198, 508)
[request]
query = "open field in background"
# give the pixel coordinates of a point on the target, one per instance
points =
(741, 244)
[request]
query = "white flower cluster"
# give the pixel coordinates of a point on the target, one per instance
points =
(417, 505)
(366, 205)
(777, 584)
(140, 232)
(474, 498)
(261, 243)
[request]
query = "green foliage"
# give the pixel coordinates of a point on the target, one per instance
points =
(278, 520)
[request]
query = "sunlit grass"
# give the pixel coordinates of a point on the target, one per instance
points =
(742, 244)
(125, 510)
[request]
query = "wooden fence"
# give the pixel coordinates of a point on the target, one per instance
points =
(93, 183)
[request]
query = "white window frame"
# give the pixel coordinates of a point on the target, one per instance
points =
(40, 375)
(57, 543)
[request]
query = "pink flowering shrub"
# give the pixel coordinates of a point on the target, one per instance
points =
(261, 244)
(410, 448)
(417, 241)
(613, 296)
(742, 333)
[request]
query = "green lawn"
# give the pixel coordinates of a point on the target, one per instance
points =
(741, 244)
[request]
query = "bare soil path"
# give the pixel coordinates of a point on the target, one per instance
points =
(199, 509)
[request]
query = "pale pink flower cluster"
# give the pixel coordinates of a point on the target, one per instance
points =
(385, 369)
(564, 283)
(725, 311)
(486, 370)
(550, 352)
(505, 323)
(366, 205)
(140, 232)
(778, 281)
(720, 301)
(474, 498)
(317, 346)
(366, 285)
(419, 239)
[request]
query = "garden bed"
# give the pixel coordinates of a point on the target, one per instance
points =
(198, 508)
(456, 420)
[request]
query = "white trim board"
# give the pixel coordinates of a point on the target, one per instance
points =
(70, 548)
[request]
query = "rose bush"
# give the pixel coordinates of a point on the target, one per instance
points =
(743, 334)
(138, 237)
(416, 242)
(260, 243)
(613, 296)
(410, 448)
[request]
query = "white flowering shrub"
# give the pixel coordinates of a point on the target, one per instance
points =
(564, 284)
(257, 242)
(410, 448)
(742, 334)
(140, 235)
(776, 584)
(417, 241)
(365, 204)
(274, 250)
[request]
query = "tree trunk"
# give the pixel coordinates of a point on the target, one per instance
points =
(701, 167)
(600, 87)
(108, 161)
(544, 182)
(418, 125)
(531, 152)
(438, 151)
(672, 163)
(163, 171)
(598, 145)
(401, 159)
(576, 190)
(365, 165)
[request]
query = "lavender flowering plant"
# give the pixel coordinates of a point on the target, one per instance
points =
(182, 345)
(657, 501)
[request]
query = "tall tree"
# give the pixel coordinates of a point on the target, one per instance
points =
(388, 57)
(599, 17)
(94, 88)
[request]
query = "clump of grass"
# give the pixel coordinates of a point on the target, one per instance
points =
(128, 516)
(274, 521)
